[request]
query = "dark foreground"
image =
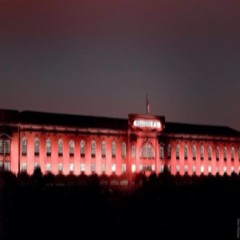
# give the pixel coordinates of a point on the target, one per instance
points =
(160, 207)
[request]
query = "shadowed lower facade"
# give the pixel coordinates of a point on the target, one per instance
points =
(72, 144)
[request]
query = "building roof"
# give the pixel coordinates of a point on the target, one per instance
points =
(82, 121)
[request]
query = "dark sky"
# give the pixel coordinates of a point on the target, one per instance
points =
(100, 57)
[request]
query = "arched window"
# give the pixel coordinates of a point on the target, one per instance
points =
(209, 153)
(93, 149)
(48, 147)
(177, 152)
(133, 151)
(124, 151)
(103, 149)
(194, 152)
(36, 147)
(225, 153)
(202, 152)
(60, 147)
(232, 154)
(217, 154)
(147, 151)
(24, 146)
(82, 148)
(71, 148)
(186, 152)
(169, 150)
(113, 149)
(161, 152)
(7, 147)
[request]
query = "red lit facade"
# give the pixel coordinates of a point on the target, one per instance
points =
(66, 144)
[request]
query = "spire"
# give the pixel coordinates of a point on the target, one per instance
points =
(147, 105)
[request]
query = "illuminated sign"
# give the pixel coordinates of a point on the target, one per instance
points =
(147, 123)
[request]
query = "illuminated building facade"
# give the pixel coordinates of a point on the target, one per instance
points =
(61, 143)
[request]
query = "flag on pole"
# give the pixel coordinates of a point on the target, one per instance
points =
(147, 105)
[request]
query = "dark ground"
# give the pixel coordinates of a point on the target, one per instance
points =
(161, 207)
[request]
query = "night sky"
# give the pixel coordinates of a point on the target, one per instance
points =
(101, 57)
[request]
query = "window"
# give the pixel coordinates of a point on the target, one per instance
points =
(113, 149)
(209, 153)
(239, 154)
(202, 169)
(36, 165)
(186, 152)
(36, 147)
(232, 154)
(133, 168)
(82, 167)
(48, 167)
(103, 168)
(24, 146)
(225, 153)
(217, 154)
(103, 149)
(1, 146)
(124, 151)
(71, 167)
(194, 152)
(224, 169)
(169, 151)
(113, 167)
(232, 169)
(60, 147)
(209, 169)
(7, 147)
(177, 168)
(24, 167)
(177, 152)
(93, 149)
(202, 152)
(71, 148)
(185, 169)
(124, 168)
(48, 147)
(161, 152)
(133, 151)
(82, 148)
(93, 167)
(60, 167)
(194, 169)
(7, 166)
(147, 151)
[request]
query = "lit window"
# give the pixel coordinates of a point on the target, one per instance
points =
(161, 168)
(153, 167)
(71, 148)
(194, 169)
(60, 147)
(36, 147)
(82, 167)
(147, 151)
(177, 152)
(24, 146)
(225, 153)
(133, 151)
(224, 169)
(202, 169)
(161, 152)
(71, 167)
(48, 167)
(232, 154)
(133, 168)
(186, 152)
(185, 168)
(36, 165)
(93, 149)
(103, 149)
(124, 151)
(232, 169)
(113, 149)
(169, 151)
(82, 148)
(209, 153)
(124, 168)
(114, 167)
(48, 147)
(202, 152)
(194, 152)
(209, 169)
(217, 154)
(140, 167)
(24, 167)
(177, 168)
(60, 167)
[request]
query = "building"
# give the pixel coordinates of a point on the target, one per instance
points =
(62, 143)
